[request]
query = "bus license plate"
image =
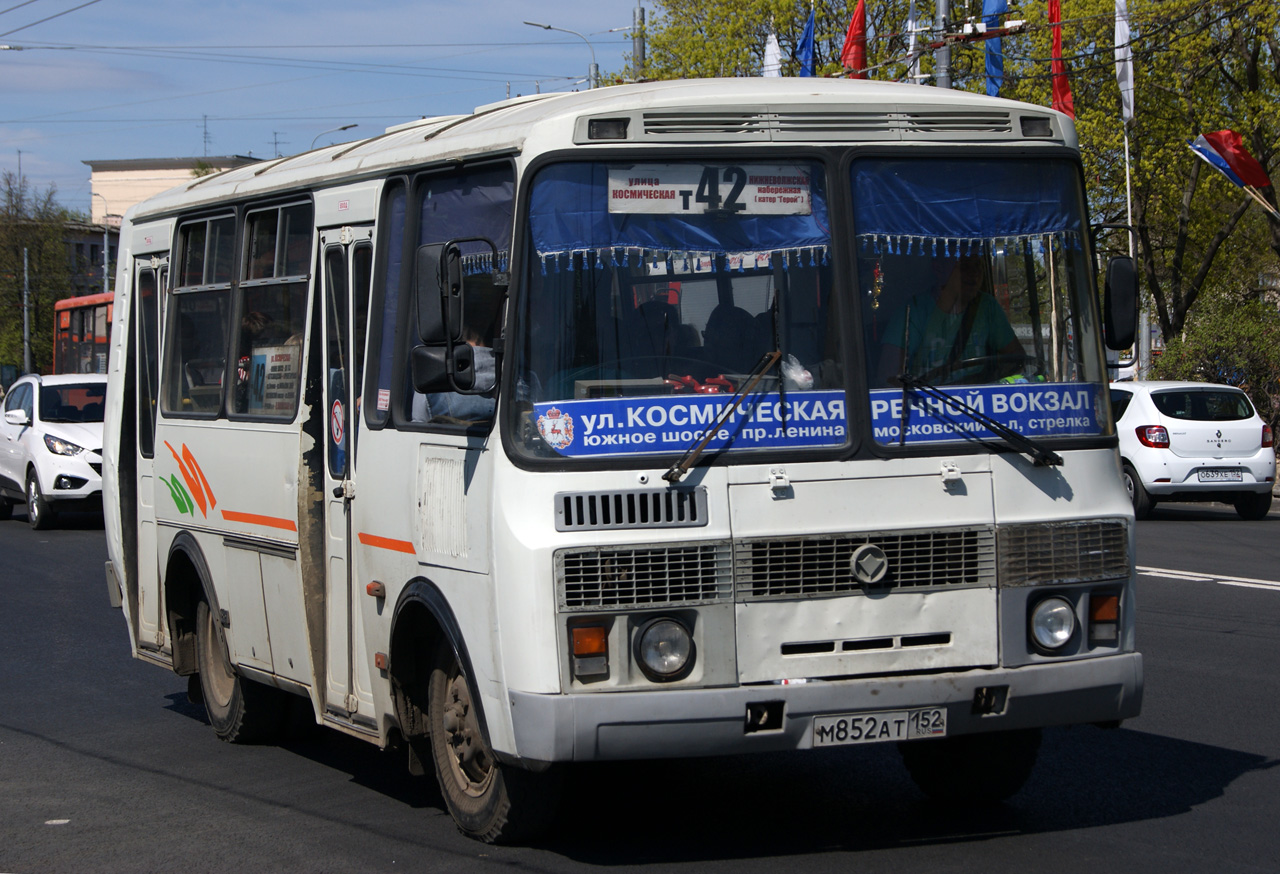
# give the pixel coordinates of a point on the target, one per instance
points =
(1220, 475)
(884, 725)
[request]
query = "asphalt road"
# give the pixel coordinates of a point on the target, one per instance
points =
(105, 766)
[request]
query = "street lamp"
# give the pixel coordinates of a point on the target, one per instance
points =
(106, 247)
(593, 78)
(332, 131)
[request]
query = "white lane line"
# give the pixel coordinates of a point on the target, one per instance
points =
(1187, 576)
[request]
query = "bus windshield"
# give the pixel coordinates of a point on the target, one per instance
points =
(973, 277)
(655, 289)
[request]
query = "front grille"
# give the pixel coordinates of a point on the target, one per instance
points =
(794, 567)
(97, 467)
(1064, 552)
(638, 508)
(639, 577)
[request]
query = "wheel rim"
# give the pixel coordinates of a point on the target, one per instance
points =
(219, 681)
(469, 759)
(1128, 484)
(33, 500)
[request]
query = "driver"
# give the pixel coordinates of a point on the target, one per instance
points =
(958, 321)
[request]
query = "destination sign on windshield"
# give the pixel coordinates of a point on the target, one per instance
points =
(693, 189)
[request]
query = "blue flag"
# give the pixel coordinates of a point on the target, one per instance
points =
(991, 12)
(804, 51)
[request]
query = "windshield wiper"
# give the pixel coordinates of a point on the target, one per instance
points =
(1040, 455)
(690, 457)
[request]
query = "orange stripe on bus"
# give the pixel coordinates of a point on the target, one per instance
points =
(387, 543)
(255, 519)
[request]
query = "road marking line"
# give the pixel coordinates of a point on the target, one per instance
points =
(1187, 576)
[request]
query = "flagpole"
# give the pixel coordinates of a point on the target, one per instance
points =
(1144, 312)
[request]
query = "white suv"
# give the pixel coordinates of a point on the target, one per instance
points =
(1193, 441)
(51, 445)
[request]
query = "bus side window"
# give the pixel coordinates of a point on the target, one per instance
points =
(273, 309)
(195, 353)
(473, 203)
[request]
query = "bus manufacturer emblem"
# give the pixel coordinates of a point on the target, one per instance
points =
(869, 564)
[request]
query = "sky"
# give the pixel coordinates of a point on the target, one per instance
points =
(120, 79)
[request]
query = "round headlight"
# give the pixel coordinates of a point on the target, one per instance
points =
(1053, 622)
(664, 649)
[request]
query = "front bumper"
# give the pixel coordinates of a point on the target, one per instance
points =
(74, 480)
(699, 722)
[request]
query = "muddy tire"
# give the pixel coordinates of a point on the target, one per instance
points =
(240, 710)
(489, 801)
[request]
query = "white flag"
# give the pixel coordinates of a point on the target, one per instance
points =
(1124, 60)
(913, 45)
(772, 57)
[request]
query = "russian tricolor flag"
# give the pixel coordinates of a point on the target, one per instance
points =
(1226, 152)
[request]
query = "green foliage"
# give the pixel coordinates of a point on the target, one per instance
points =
(30, 220)
(1198, 68)
(1234, 343)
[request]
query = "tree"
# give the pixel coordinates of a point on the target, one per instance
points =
(1231, 342)
(33, 221)
(1199, 68)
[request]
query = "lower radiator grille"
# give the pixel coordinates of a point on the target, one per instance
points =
(820, 565)
(625, 577)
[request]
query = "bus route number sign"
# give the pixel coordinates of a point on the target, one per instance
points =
(725, 189)
(879, 726)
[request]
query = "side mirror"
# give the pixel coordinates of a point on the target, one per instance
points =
(17, 417)
(432, 366)
(1120, 303)
(438, 287)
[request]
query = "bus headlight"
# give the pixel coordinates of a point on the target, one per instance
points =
(664, 649)
(1053, 622)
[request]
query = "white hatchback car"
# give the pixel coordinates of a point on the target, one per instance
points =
(1193, 441)
(51, 445)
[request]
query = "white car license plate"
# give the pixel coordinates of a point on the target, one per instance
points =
(1220, 475)
(878, 726)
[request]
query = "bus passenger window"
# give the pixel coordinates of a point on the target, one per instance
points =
(273, 309)
(195, 354)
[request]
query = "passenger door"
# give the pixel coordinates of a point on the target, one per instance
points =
(347, 259)
(149, 278)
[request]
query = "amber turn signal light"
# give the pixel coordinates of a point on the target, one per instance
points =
(589, 640)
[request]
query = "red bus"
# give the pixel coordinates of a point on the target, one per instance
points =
(82, 333)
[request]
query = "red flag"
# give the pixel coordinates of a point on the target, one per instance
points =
(1229, 145)
(1061, 86)
(854, 53)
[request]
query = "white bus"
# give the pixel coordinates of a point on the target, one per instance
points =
(664, 420)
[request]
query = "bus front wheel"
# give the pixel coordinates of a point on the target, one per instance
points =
(972, 768)
(489, 801)
(239, 710)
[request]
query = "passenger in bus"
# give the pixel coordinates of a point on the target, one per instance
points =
(455, 407)
(958, 321)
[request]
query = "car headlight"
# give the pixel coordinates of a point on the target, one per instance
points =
(61, 447)
(1053, 622)
(664, 649)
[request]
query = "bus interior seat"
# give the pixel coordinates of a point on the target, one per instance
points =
(653, 332)
(731, 339)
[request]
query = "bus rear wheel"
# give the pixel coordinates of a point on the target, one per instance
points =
(972, 768)
(495, 803)
(239, 710)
